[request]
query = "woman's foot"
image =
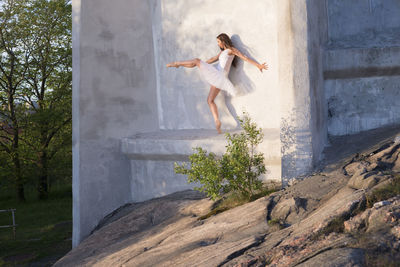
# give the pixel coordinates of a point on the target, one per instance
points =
(173, 64)
(218, 126)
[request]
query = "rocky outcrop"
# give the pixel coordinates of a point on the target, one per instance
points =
(323, 220)
(384, 214)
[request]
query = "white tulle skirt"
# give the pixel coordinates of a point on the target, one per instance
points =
(217, 78)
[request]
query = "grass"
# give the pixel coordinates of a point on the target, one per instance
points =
(375, 256)
(278, 223)
(336, 225)
(44, 228)
(390, 190)
(232, 200)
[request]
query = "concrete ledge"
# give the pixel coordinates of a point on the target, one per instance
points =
(179, 144)
(152, 156)
(362, 89)
(361, 62)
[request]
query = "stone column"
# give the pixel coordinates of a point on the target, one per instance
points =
(303, 127)
(114, 95)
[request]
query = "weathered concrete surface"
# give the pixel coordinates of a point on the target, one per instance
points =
(317, 37)
(301, 32)
(167, 232)
(363, 23)
(152, 157)
(356, 105)
(186, 30)
(121, 86)
(111, 99)
(362, 67)
(361, 89)
(361, 62)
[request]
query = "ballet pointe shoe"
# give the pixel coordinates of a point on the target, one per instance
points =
(173, 64)
(218, 126)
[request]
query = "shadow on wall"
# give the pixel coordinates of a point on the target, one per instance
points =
(231, 109)
(181, 38)
(239, 77)
(288, 147)
(184, 88)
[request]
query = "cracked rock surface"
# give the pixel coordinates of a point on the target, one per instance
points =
(324, 218)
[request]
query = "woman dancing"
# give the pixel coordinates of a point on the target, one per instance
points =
(217, 77)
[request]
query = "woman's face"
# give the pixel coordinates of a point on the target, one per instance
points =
(220, 44)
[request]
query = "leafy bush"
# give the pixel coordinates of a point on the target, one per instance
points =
(237, 170)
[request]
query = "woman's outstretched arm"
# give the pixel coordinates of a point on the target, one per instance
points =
(236, 52)
(213, 59)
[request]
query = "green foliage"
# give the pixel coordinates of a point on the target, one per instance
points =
(227, 202)
(390, 190)
(336, 225)
(206, 169)
(278, 223)
(241, 165)
(35, 92)
(236, 171)
(235, 199)
(44, 228)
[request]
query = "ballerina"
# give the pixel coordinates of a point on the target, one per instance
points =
(217, 77)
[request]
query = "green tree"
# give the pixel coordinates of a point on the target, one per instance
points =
(48, 81)
(13, 70)
(206, 169)
(241, 165)
(44, 92)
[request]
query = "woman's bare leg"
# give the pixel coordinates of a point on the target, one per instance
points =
(213, 107)
(213, 90)
(187, 63)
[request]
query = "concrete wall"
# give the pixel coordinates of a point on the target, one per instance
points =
(317, 38)
(364, 23)
(114, 95)
(357, 105)
(152, 157)
(289, 96)
(301, 34)
(188, 29)
(362, 65)
(333, 67)
(121, 86)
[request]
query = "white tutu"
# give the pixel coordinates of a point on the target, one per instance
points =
(218, 75)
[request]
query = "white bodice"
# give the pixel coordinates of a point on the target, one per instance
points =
(217, 75)
(225, 61)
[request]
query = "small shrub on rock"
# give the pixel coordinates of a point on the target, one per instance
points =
(236, 171)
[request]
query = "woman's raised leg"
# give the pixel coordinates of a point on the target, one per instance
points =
(213, 107)
(187, 63)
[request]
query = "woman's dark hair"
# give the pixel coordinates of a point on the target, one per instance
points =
(224, 38)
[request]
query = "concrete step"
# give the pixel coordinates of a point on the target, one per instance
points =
(361, 62)
(152, 156)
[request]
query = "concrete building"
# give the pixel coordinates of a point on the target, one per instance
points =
(332, 71)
